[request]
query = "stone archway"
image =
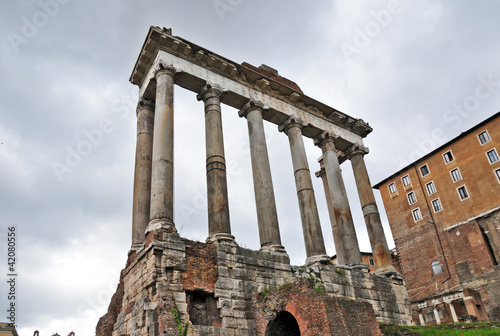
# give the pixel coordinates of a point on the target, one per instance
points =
(284, 324)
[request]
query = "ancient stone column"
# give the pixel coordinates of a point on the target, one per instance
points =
(380, 249)
(340, 203)
(421, 318)
(267, 216)
(218, 204)
(142, 174)
(339, 249)
(453, 312)
(311, 227)
(436, 315)
(162, 178)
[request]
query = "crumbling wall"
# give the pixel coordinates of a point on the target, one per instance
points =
(316, 313)
(210, 287)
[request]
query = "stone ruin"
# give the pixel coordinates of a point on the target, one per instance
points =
(174, 286)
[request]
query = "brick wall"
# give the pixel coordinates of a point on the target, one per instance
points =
(316, 314)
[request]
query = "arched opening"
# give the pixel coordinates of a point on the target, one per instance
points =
(284, 324)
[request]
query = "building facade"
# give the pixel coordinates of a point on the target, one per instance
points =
(7, 329)
(444, 213)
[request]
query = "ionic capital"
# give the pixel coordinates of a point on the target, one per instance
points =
(144, 104)
(249, 106)
(165, 69)
(210, 91)
(357, 149)
(326, 140)
(292, 121)
(320, 173)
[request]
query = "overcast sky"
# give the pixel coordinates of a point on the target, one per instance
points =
(419, 72)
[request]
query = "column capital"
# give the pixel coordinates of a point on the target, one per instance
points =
(250, 105)
(292, 121)
(209, 91)
(162, 68)
(145, 104)
(320, 173)
(325, 138)
(357, 149)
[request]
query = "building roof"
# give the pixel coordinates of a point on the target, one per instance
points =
(461, 135)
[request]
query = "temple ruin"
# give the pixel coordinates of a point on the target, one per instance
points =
(173, 286)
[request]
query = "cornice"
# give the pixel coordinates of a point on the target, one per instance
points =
(162, 39)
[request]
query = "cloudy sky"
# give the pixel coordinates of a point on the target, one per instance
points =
(420, 72)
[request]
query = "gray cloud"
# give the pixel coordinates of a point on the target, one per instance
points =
(68, 75)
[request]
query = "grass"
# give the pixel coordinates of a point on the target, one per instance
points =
(445, 329)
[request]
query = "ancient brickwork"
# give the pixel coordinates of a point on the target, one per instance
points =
(213, 289)
(172, 284)
(315, 313)
(387, 295)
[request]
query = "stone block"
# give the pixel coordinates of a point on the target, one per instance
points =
(229, 322)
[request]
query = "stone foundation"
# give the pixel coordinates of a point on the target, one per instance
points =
(215, 289)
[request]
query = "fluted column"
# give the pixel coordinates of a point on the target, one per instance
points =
(311, 227)
(218, 204)
(267, 215)
(142, 173)
(338, 195)
(162, 178)
(339, 249)
(380, 249)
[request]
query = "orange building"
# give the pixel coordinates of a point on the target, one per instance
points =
(444, 213)
(7, 329)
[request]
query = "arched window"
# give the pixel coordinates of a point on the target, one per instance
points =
(436, 267)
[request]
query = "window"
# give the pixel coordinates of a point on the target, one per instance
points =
(411, 197)
(448, 157)
(392, 188)
(455, 175)
(492, 156)
(462, 192)
(424, 170)
(436, 204)
(484, 137)
(371, 261)
(417, 215)
(497, 173)
(406, 180)
(431, 189)
(436, 267)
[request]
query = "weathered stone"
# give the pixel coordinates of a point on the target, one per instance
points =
(217, 287)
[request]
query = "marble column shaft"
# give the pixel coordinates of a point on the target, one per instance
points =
(162, 178)
(267, 215)
(339, 248)
(380, 249)
(338, 195)
(217, 197)
(313, 237)
(142, 174)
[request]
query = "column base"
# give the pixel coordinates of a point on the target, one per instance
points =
(273, 248)
(322, 258)
(135, 248)
(389, 271)
(161, 223)
(360, 266)
(222, 238)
